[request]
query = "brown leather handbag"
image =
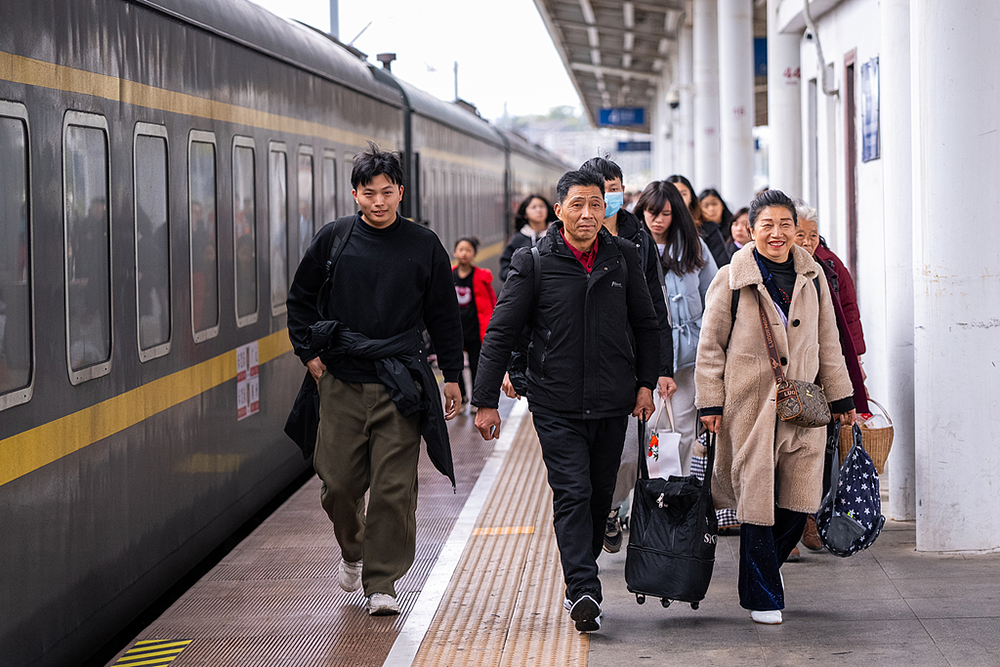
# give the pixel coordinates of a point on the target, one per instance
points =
(799, 403)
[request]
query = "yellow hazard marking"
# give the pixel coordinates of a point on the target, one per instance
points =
(152, 652)
(28, 451)
(504, 530)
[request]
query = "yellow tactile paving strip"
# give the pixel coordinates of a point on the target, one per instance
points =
(504, 606)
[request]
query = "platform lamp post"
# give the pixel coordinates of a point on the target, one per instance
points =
(335, 19)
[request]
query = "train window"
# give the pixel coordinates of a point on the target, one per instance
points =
(277, 215)
(244, 231)
(305, 211)
(204, 236)
(15, 258)
(348, 196)
(152, 240)
(87, 221)
(329, 205)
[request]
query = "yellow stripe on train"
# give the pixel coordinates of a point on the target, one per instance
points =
(28, 451)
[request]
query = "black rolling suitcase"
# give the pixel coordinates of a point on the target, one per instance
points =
(672, 534)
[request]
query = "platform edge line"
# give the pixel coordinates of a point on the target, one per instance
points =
(411, 636)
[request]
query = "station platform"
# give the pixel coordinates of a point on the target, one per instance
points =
(486, 590)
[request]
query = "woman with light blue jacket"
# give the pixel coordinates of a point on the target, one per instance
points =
(688, 269)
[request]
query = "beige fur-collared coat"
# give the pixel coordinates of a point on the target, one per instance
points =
(761, 461)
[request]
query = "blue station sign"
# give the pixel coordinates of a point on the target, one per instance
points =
(635, 146)
(622, 116)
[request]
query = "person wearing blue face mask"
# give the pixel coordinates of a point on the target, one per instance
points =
(620, 222)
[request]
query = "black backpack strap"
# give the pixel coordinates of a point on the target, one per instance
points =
(341, 233)
(734, 305)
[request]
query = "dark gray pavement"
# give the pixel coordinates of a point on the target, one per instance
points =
(888, 606)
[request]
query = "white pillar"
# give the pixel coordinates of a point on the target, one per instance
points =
(956, 160)
(685, 133)
(707, 148)
(662, 133)
(894, 96)
(736, 103)
(784, 107)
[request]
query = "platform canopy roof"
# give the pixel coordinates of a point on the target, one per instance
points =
(614, 50)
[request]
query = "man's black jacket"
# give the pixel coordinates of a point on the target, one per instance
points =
(630, 228)
(581, 363)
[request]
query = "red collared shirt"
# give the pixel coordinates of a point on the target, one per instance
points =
(586, 258)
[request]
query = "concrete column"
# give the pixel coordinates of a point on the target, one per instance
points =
(736, 103)
(707, 147)
(894, 98)
(662, 130)
(685, 124)
(784, 107)
(956, 167)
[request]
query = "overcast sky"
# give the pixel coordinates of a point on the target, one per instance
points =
(503, 51)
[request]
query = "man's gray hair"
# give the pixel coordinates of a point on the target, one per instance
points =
(806, 212)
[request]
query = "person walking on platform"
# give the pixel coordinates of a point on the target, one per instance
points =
(364, 289)
(627, 226)
(584, 297)
(533, 217)
(708, 230)
(476, 300)
(852, 339)
(688, 269)
(769, 470)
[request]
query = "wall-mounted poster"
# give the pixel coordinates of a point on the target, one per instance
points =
(870, 145)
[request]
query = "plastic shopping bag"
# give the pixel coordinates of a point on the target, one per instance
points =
(663, 442)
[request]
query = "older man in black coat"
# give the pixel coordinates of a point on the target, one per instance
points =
(593, 360)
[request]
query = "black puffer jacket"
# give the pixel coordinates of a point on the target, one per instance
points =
(581, 363)
(630, 228)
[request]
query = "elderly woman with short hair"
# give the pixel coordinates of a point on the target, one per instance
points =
(770, 471)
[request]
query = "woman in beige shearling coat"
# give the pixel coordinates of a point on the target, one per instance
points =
(770, 471)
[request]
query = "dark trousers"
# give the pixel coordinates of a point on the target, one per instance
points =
(473, 346)
(763, 550)
(581, 457)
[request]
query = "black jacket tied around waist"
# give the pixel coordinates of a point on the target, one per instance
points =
(402, 367)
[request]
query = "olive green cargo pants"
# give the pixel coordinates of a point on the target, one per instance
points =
(363, 444)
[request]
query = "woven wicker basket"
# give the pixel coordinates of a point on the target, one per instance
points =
(876, 441)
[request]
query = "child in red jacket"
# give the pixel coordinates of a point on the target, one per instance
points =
(476, 299)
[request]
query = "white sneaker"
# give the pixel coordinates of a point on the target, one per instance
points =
(772, 617)
(350, 575)
(382, 604)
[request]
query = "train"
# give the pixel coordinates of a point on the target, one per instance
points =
(163, 167)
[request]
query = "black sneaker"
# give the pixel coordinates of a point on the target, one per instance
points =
(586, 614)
(613, 533)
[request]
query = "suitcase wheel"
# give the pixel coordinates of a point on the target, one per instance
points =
(665, 602)
(694, 605)
(640, 598)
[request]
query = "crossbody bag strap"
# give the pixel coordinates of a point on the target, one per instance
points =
(765, 325)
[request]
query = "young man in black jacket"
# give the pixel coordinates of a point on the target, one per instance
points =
(389, 276)
(625, 225)
(584, 375)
